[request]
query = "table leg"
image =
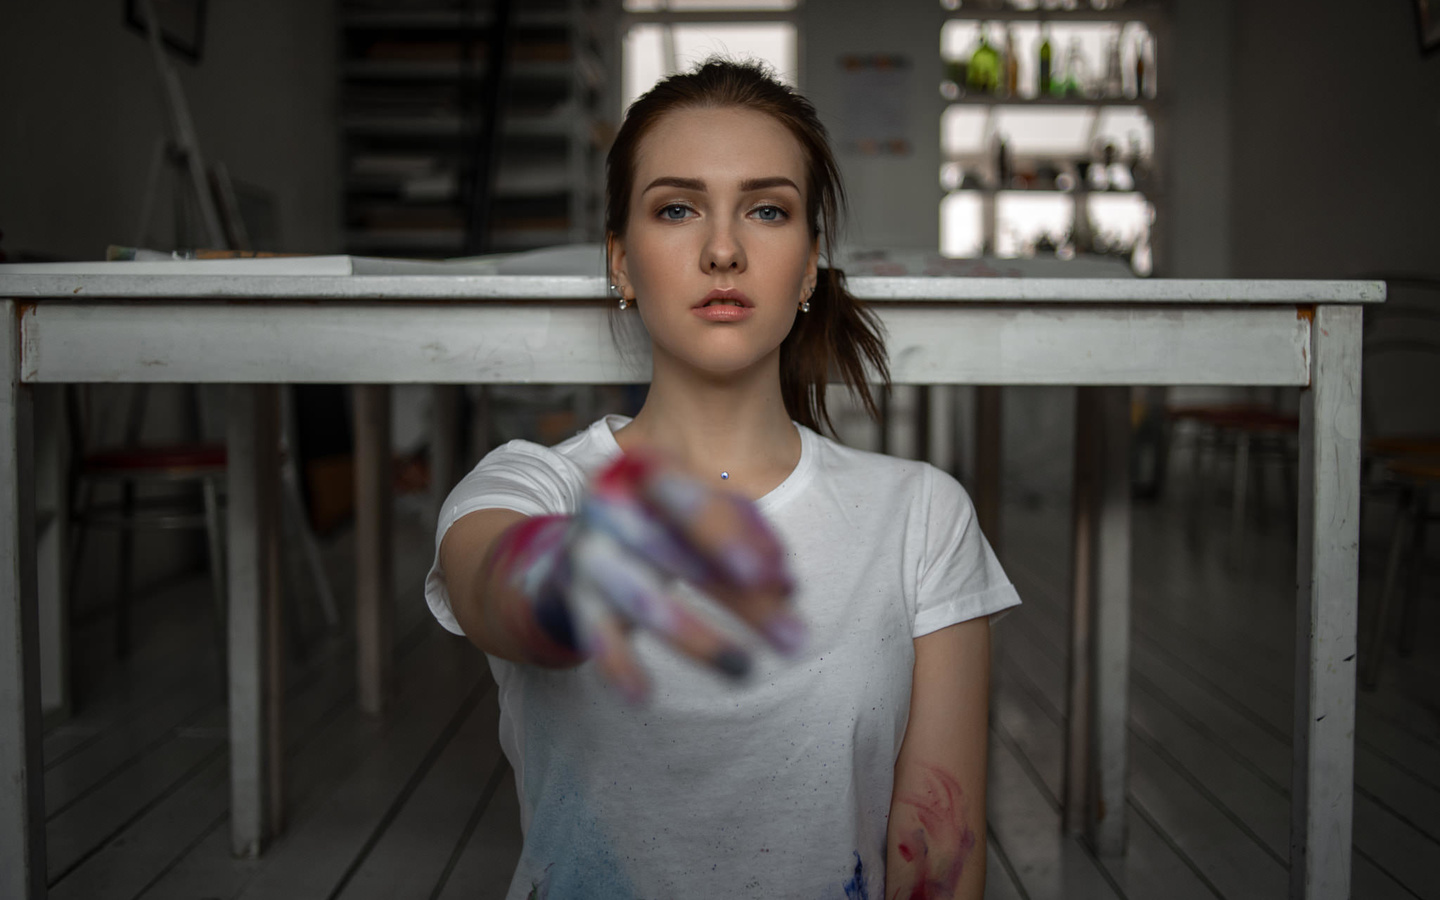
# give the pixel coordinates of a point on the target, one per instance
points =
(52, 503)
(923, 424)
(253, 470)
(1111, 670)
(1079, 709)
(942, 448)
(445, 403)
(374, 589)
(987, 462)
(1096, 752)
(1327, 568)
(22, 785)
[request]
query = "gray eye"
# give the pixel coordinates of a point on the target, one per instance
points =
(769, 213)
(674, 208)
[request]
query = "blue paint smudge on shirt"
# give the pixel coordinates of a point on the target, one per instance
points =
(856, 888)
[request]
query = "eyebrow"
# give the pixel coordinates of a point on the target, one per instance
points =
(698, 184)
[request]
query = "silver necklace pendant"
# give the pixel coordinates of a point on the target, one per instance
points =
(724, 476)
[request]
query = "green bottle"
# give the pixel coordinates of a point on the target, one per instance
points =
(983, 75)
(1045, 52)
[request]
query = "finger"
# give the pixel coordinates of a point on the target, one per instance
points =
(643, 532)
(638, 595)
(756, 583)
(768, 612)
(724, 545)
(602, 637)
(726, 529)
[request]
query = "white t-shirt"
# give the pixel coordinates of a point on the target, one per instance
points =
(776, 787)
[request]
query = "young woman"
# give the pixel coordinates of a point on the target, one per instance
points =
(798, 631)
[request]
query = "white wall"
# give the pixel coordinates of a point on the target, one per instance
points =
(1336, 141)
(1336, 167)
(895, 201)
(83, 109)
(1197, 79)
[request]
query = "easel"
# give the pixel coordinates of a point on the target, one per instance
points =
(181, 151)
(209, 192)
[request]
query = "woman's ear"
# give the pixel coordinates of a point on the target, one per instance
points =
(812, 266)
(616, 271)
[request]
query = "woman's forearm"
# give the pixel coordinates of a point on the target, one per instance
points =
(936, 832)
(936, 843)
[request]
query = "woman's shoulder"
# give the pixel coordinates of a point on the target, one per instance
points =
(838, 459)
(588, 447)
(881, 474)
(554, 477)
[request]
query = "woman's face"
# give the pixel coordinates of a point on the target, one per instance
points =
(718, 204)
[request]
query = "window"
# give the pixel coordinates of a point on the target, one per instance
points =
(662, 37)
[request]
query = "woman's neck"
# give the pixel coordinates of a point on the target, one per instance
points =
(707, 425)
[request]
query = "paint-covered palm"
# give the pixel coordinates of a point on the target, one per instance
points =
(645, 525)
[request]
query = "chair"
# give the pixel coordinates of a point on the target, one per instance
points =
(1400, 459)
(1256, 433)
(137, 465)
(1416, 480)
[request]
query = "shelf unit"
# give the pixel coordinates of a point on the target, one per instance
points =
(412, 73)
(982, 165)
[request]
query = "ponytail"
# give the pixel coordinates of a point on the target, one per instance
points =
(833, 341)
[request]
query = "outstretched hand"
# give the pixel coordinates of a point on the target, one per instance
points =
(642, 526)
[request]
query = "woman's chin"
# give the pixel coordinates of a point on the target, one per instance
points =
(722, 365)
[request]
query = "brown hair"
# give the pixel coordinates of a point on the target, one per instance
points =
(838, 334)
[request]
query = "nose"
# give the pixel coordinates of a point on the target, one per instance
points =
(723, 251)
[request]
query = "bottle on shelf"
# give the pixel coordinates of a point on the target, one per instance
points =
(1147, 84)
(1117, 176)
(1077, 76)
(983, 74)
(1114, 83)
(1012, 65)
(1099, 173)
(1046, 60)
(1057, 74)
(1003, 163)
(1139, 167)
(1144, 77)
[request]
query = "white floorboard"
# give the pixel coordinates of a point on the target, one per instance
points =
(422, 804)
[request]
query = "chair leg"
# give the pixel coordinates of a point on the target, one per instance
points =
(294, 509)
(1268, 453)
(1238, 493)
(1410, 603)
(1199, 437)
(215, 544)
(1381, 617)
(124, 583)
(1290, 457)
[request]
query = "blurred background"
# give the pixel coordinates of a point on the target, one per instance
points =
(1094, 138)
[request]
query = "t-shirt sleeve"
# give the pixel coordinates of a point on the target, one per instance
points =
(960, 577)
(520, 476)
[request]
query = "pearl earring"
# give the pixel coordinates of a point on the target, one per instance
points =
(805, 302)
(623, 302)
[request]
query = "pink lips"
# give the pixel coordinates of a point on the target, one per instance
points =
(724, 312)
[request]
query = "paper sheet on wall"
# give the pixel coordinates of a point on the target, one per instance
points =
(876, 88)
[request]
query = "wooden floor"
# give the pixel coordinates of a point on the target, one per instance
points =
(421, 804)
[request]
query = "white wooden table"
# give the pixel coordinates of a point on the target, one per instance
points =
(255, 332)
